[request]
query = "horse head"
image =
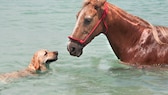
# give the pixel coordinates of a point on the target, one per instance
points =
(90, 23)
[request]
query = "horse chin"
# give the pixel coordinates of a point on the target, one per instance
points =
(75, 49)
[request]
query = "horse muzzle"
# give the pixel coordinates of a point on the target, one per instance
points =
(75, 49)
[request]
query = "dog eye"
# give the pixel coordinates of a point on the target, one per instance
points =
(45, 53)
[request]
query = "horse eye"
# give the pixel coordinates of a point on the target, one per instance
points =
(87, 20)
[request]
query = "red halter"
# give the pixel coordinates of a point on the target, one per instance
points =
(82, 42)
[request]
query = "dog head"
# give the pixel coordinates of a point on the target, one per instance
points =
(42, 59)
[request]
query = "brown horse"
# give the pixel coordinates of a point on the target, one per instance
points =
(133, 40)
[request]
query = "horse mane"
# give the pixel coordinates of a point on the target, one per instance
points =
(164, 32)
(134, 20)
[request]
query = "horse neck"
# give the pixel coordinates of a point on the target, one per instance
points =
(124, 30)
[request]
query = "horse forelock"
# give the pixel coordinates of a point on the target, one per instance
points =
(97, 3)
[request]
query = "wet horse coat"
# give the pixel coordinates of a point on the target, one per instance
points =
(133, 40)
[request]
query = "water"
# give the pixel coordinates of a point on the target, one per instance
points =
(29, 25)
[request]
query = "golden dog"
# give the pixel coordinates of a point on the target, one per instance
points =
(39, 63)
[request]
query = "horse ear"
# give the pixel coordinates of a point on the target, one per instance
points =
(97, 3)
(100, 3)
(86, 1)
(35, 62)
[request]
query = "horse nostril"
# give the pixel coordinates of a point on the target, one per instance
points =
(72, 49)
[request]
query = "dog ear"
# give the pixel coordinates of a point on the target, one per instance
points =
(35, 62)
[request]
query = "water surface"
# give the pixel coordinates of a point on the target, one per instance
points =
(29, 25)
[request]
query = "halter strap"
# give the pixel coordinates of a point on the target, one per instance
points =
(83, 41)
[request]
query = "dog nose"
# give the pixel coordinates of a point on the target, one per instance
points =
(56, 52)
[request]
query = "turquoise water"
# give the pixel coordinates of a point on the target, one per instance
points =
(29, 25)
